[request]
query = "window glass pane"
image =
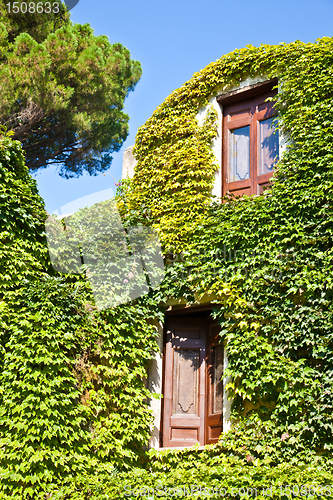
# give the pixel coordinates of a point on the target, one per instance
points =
(239, 168)
(268, 145)
(217, 379)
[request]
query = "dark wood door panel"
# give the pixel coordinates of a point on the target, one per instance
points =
(182, 333)
(214, 432)
(214, 374)
(186, 343)
(184, 406)
(185, 395)
(240, 192)
(192, 406)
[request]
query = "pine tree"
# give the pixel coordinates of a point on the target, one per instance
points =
(63, 90)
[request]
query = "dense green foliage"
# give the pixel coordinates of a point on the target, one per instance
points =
(37, 24)
(265, 260)
(75, 418)
(72, 393)
(63, 91)
(198, 474)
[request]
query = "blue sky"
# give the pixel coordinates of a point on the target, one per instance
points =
(172, 40)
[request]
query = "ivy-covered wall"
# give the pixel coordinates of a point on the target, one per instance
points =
(74, 413)
(267, 259)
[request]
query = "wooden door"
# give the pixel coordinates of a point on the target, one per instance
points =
(186, 400)
(214, 377)
(184, 389)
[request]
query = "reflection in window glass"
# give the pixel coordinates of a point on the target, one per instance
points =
(239, 154)
(217, 379)
(268, 145)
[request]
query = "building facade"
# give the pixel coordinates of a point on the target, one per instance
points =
(189, 369)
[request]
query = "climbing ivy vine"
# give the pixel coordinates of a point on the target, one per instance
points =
(72, 396)
(74, 416)
(266, 261)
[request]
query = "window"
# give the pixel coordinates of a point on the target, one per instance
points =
(250, 141)
(193, 386)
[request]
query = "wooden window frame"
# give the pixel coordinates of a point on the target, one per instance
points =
(250, 97)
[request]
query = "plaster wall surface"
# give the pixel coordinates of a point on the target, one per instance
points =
(129, 163)
(155, 386)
